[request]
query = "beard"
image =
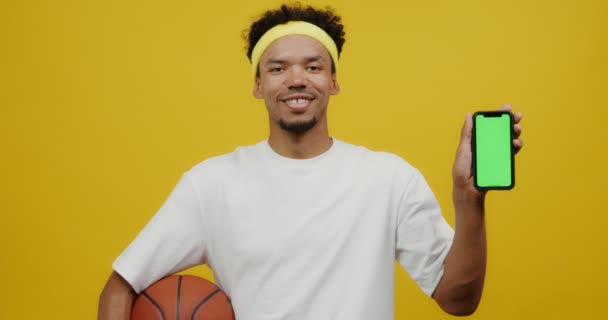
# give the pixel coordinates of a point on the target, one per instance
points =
(299, 127)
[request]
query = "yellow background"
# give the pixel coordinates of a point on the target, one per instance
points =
(103, 105)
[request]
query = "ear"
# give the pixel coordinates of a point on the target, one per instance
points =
(335, 86)
(257, 88)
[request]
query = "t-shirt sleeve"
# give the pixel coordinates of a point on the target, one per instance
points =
(173, 240)
(423, 235)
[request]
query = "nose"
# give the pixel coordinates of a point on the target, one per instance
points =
(297, 78)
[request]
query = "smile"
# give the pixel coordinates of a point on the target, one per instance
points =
(298, 103)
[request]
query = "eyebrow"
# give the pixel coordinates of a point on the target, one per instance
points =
(283, 61)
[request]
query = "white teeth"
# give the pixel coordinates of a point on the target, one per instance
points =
(300, 102)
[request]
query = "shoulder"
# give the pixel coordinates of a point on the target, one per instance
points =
(223, 165)
(378, 159)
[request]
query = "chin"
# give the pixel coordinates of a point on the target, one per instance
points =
(298, 126)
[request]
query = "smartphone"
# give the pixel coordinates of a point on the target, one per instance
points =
(493, 152)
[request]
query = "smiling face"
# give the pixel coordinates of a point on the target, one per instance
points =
(295, 80)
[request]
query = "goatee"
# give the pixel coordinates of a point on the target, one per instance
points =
(298, 127)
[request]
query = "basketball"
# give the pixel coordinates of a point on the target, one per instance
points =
(185, 297)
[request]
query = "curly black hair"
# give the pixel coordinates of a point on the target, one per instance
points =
(325, 19)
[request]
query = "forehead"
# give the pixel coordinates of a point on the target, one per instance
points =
(293, 47)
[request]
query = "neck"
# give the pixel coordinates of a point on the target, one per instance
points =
(306, 145)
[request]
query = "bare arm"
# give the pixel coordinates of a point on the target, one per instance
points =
(459, 290)
(116, 299)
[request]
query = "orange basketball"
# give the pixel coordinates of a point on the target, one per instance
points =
(184, 297)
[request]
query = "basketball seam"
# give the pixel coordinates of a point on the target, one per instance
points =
(162, 314)
(203, 302)
(179, 288)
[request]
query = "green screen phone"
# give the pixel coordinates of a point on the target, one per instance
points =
(493, 153)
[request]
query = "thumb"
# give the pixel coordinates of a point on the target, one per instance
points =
(461, 170)
(466, 132)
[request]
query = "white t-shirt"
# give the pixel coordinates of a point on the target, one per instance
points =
(297, 239)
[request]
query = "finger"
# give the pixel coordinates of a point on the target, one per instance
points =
(467, 128)
(517, 130)
(517, 117)
(517, 145)
(506, 107)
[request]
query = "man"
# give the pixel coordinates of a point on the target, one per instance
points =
(305, 226)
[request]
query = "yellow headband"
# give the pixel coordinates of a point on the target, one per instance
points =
(293, 28)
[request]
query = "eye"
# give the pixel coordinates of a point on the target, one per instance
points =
(314, 68)
(275, 69)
